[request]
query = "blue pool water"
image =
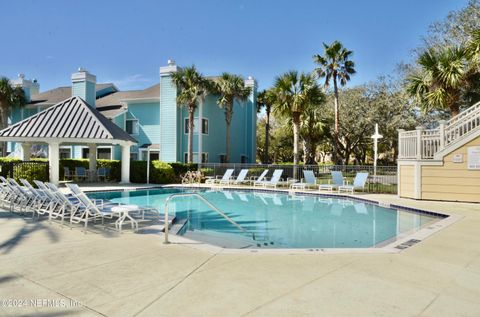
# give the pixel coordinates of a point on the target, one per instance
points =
(279, 220)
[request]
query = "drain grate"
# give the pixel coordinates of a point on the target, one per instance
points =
(407, 244)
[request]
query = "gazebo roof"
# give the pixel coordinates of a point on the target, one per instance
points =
(71, 120)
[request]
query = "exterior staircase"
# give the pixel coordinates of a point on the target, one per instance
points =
(423, 144)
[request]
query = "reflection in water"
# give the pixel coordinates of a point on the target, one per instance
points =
(279, 220)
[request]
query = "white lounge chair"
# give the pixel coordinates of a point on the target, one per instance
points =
(358, 183)
(309, 181)
(226, 177)
(275, 180)
(337, 181)
(239, 180)
(259, 181)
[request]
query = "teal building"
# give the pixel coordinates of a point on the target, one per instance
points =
(152, 117)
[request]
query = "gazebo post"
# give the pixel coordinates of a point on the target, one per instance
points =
(27, 151)
(92, 158)
(125, 163)
(53, 162)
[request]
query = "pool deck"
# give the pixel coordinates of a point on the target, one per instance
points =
(137, 275)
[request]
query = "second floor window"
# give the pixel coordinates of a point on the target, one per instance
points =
(195, 126)
(131, 126)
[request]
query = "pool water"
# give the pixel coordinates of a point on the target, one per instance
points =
(279, 220)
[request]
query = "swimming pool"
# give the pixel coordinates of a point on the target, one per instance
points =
(279, 220)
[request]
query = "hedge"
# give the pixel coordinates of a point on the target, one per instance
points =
(28, 170)
(160, 172)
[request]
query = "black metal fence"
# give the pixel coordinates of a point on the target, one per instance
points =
(29, 170)
(383, 179)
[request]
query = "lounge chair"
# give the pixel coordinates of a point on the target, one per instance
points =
(94, 211)
(102, 173)
(239, 180)
(275, 180)
(358, 183)
(43, 203)
(80, 173)
(226, 177)
(67, 175)
(60, 205)
(310, 180)
(259, 181)
(337, 181)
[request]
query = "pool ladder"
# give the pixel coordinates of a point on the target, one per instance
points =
(209, 204)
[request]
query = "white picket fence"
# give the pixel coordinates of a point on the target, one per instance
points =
(424, 144)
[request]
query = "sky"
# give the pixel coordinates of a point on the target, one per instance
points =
(125, 42)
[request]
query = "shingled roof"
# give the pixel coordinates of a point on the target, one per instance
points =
(71, 120)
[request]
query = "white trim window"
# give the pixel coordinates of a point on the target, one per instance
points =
(195, 157)
(132, 126)
(65, 152)
(195, 126)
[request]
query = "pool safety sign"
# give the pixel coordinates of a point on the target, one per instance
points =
(473, 158)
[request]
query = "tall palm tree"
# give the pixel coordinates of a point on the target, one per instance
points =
(10, 98)
(295, 93)
(230, 88)
(335, 66)
(442, 79)
(266, 99)
(192, 88)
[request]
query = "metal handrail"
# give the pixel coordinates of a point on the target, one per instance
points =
(172, 196)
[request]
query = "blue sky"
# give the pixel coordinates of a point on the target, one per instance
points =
(125, 42)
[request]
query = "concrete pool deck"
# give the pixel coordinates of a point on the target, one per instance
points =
(137, 275)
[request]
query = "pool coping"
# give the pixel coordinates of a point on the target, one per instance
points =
(396, 246)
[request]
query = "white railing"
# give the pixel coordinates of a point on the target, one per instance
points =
(424, 144)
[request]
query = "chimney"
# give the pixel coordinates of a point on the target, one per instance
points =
(84, 86)
(30, 87)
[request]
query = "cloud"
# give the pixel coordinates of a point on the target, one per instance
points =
(129, 82)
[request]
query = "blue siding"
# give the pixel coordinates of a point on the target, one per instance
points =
(85, 90)
(148, 116)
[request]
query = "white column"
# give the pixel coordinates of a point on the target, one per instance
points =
(53, 162)
(125, 163)
(26, 149)
(442, 133)
(419, 142)
(92, 157)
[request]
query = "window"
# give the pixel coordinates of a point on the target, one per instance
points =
(195, 126)
(243, 159)
(65, 153)
(195, 157)
(104, 153)
(223, 158)
(132, 126)
(134, 156)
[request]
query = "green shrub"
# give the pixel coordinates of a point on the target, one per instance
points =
(115, 167)
(138, 171)
(182, 168)
(162, 173)
(207, 171)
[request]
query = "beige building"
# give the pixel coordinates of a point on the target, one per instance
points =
(444, 163)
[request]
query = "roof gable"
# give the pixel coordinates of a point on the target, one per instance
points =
(71, 119)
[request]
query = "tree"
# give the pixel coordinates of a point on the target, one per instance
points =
(441, 82)
(294, 94)
(10, 98)
(313, 129)
(230, 88)
(192, 88)
(266, 99)
(335, 66)
(455, 29)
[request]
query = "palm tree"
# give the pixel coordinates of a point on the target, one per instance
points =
(443, 78)
(335, 66)
(10, 98)
(313, 129)
(266, 99)
(295, 93)
(230, 88)
(192, 88)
